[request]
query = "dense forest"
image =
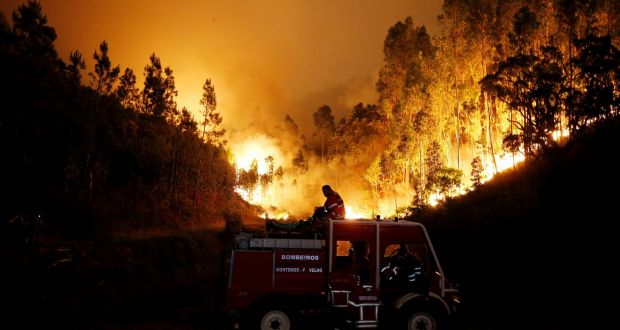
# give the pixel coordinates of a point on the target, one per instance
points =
(94, 150)
(503, 81)
(96, 154)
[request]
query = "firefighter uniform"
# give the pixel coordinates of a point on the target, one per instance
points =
(334, 205)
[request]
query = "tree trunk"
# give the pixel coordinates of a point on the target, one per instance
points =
(198, 180)
(489, 128)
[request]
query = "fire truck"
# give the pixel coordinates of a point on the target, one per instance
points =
(353, 274)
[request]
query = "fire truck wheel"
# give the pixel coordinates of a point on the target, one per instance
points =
(273, 318)
(416, 318)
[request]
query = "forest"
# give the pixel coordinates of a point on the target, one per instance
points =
(93, 151)
(503, 81)
(137, 198)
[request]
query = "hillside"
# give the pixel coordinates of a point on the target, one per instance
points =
(529, 250)
(533, 245)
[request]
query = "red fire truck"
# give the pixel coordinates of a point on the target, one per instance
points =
(355, 274)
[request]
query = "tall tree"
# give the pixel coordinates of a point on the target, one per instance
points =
(476, 171)
(159, 92)
(104, 77)
(299, 162)
(325, 126)
(598, 63)
(76, 65)
(127, 92)
(211, 131)
(291, 126)
(35, 37)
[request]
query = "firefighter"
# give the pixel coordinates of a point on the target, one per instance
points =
(405, 270)
(334, 205)
(333, 208)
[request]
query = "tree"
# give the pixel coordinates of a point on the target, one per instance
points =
(212, 119)
(127, 92)
(369, 113)
(105, 75)
(248, 180)
(325, 125)
(279, 173)
(524, 26)
(159, 90)
(476, 171)
(433, 164)
(533, 86)
(76, 65)
(448, 180)
(299, 162)
(291, 126)
(187, 123)
(35, 37)
(598, 63)
(266, 180)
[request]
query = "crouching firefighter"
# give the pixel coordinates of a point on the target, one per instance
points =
(333, 208)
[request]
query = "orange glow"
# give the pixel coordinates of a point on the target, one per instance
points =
(254, 51)
(354, 213)
(504, 161)
(257, 147)
(278, 216)
(558, 134)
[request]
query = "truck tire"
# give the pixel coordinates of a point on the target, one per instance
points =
(416, 317)
(273, 318)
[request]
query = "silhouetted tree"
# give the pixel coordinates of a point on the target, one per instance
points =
(127, 92)
(211, 131)
(598, 63)
(291, 126)
(104, 77)
(76, 65)
(299, 162)
(476, 171)
(325, 126)
(159, 90)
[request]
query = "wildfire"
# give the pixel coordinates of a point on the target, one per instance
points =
(503, 162)
(278, 216)
(255, 151)
(558, 134)
(354, 213)
(256, 148)
(259, 155)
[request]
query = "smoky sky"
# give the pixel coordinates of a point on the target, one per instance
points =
(265, 58)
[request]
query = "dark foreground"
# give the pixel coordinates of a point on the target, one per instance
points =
(177, 282)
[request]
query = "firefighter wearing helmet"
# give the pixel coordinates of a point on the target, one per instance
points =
(333, 208)
(334, 205)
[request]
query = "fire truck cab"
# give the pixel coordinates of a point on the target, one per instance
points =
(357, 274)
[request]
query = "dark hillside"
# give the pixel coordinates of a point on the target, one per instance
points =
(531, 249)
(163, 282)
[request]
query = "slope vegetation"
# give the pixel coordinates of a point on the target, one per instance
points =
(532, 248)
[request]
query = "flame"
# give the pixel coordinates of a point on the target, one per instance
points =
(278, 216)
(504, 162)
(257, 147)
(558, 134)
(435, 198)
(394, 202)
(354, 213)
